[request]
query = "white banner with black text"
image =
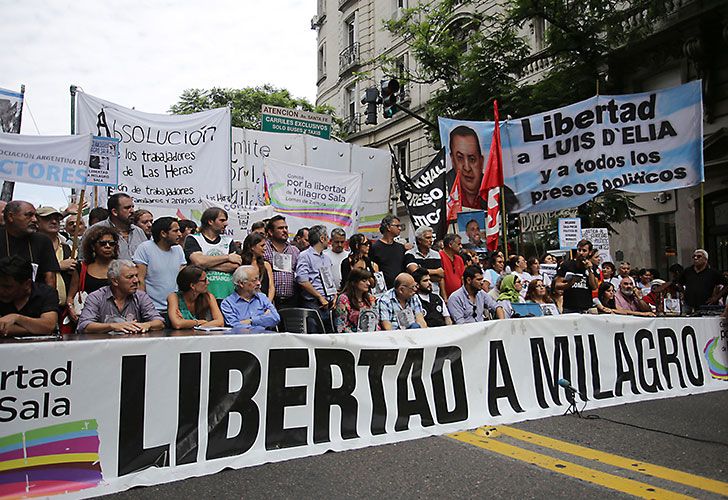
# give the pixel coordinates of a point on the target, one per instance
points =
(93, 417)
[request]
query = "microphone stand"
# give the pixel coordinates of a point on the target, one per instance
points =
(572, 409)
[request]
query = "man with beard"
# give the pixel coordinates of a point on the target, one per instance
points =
(629, 299)
(120, 306)
(435, 311)
(468, 303)
(283, 258)
(159, 261)
(577, 279)
(20, 237)
(26, 308)
(121, 207)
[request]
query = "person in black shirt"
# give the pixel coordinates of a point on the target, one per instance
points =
(436, 313)
(577, 279)
(20, 237)
(701, 282)
(26, 308)
(387, 253)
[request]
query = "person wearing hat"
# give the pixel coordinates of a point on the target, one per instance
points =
(20, 237)
(656, 292)
(701, 282)
(49, 224)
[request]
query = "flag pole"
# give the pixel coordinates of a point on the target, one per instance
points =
(74, 247)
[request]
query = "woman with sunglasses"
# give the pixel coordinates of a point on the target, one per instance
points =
(192, 305)
(354, 299)
(99, 247)
(358, 258)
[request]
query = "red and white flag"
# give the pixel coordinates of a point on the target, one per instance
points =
(454, 201)
(491, 184)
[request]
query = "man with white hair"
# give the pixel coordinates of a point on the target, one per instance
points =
(701, 282)
(247, 306)
(120, 306)
(629, 298)
(422, 255)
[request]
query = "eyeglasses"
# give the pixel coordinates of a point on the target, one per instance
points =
(365, 244)
(475, 311)
(540, 285)
(106, 243)
(397, 225)
(203, 280)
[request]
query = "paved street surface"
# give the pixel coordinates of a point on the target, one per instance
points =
(563, 457)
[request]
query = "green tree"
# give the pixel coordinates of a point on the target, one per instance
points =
(475, 52)
(245, 104)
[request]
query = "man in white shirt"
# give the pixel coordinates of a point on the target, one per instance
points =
(337, 254)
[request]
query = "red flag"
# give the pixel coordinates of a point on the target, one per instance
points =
(491, 184)
(454, 201)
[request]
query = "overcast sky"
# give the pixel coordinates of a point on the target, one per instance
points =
(144, 54)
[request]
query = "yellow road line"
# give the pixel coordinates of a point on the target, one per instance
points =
(676, 476)
(629, 486)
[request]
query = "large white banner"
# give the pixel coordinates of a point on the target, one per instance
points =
(307, 196)
(171, 161)
(639, 143)
(102, 416)
(50, 160)
(252, 147)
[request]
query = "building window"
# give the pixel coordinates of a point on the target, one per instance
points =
(350, 30)
(351, 118)
(322, 62)
(538, 32)
(402, 151)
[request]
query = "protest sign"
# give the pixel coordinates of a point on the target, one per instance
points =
(98, 416)
(569, 232)
(599, 237)
(241, 218)
(103, 166)
(171, 161)
(60, 161)
(424, 195)
(308, 196)
(11, 111)
(637, 143)
(464, 218)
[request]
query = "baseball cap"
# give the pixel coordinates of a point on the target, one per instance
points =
(47, 212)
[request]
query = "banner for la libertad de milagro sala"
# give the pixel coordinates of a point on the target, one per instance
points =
(170, 161)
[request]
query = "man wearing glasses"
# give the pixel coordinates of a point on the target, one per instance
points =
(400, 308)
(387, 253)
(468, 303)
(701, 282)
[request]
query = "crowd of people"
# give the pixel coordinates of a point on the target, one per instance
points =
(135, 273)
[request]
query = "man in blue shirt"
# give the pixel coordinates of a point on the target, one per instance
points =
(468, 303)
(248, 306)
(159, 260)
(314, 274)
(400, 308)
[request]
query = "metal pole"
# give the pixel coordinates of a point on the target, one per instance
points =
(74, 247)
(9, 186)
(701, 238)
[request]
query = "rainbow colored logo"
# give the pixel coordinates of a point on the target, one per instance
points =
(324, 213)
(50, 460)
(717, 358)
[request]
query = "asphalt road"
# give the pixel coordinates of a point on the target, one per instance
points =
(610, 459)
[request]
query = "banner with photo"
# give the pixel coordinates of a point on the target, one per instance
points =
(96, 417)
(171, 161)
(425, 194)
(11, 111)
(60, 161)
(639, 143)
(103, 166)
(307, 196)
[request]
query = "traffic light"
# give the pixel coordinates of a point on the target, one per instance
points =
(390, 92)
(514, 225)
(371, 99)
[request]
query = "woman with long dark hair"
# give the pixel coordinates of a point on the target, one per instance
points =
(252, 253)
(358, 257)
(100, 246)
(354, 299)
(192, 305)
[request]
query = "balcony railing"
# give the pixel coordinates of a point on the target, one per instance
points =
(349, 58)
(352, 124)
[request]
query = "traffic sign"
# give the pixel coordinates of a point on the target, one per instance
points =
(294, 121)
